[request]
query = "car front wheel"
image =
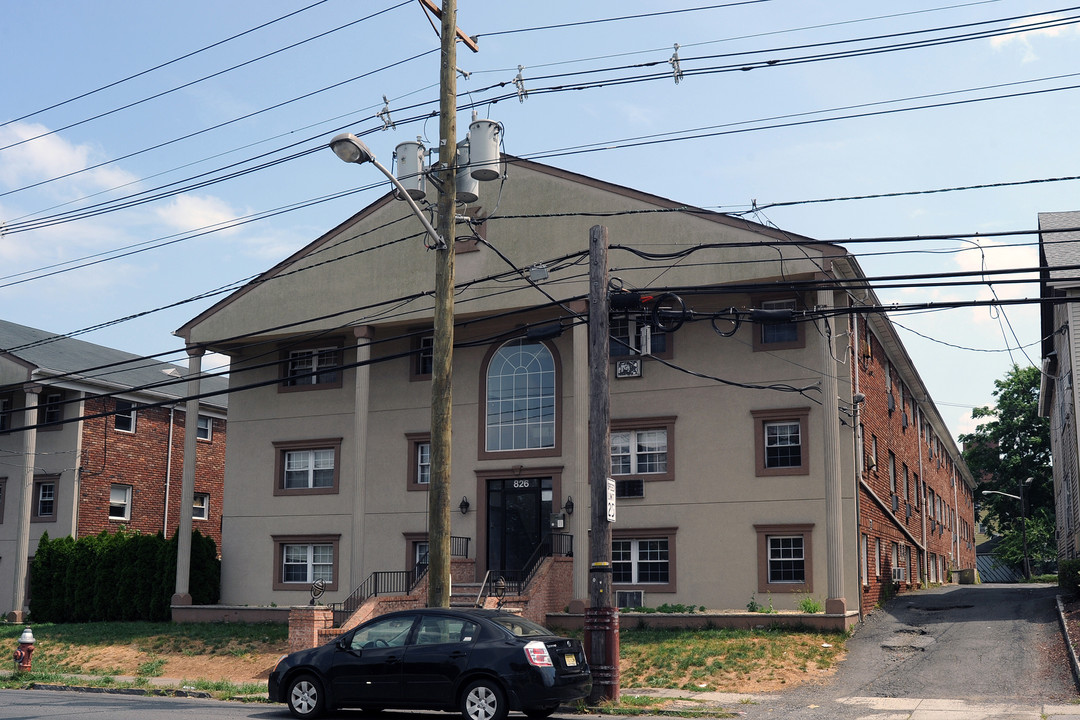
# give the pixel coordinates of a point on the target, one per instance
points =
(305, 696)
(483, 700)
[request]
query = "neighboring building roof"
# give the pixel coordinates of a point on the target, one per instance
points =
(77, 362)
(1061, 248)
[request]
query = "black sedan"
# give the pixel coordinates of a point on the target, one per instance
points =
(482, 663)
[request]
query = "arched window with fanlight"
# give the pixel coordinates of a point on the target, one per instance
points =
(520, 399)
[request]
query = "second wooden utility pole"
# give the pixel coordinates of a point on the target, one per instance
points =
(601, 618)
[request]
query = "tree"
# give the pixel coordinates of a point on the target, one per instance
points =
(1010, 445)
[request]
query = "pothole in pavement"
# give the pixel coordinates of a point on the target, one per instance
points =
(908, 639)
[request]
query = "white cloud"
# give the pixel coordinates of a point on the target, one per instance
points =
(1024, 38)
(192, 212)
(51, 156)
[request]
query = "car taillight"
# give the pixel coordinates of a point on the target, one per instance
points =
(537, 654)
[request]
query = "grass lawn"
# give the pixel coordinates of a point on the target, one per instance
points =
(231, 659)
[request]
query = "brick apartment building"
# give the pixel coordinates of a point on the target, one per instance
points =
(916, 499)
(108, 448)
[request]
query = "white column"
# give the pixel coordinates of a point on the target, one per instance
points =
(361, 410)
(187, 479)
(835, 602)
(26, 500)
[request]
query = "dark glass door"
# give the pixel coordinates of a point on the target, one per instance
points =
(518, 520)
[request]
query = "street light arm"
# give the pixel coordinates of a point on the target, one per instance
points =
(998, 492)
(351, 149)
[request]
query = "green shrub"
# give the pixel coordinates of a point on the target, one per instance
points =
(808, 604)
(1069, 577)
(121, 576)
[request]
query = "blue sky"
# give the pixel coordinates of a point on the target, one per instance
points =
(230, 104)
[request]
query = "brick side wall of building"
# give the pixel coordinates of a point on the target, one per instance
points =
(928, 510)
(141, 460)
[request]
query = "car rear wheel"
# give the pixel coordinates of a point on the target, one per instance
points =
(542, 711)
(483, 700)
(305, 696)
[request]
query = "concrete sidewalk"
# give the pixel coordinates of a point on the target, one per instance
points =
(864, 708)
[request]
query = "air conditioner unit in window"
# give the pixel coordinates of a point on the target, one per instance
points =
(630, 488)
(898, 575)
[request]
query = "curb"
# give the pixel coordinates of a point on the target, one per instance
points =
(1069, 647)
(155, 692)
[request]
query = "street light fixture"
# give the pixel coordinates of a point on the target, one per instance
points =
(1023, 521)
(351, 149)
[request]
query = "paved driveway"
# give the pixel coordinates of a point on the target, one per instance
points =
(955, 652)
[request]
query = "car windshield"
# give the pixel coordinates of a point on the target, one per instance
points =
(520, 626)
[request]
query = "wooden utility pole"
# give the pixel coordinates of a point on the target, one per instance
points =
(443, 321)
(601, 618)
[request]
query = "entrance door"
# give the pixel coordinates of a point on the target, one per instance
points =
(519, 513)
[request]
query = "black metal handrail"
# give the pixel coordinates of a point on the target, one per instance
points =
(514, 581)
(459, 546)
(391, 582)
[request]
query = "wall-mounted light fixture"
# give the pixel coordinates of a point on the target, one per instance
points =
(464, 506)
(569, 505)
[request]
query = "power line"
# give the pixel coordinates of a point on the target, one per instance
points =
(185, 56)
(623, 144)
(199, 80)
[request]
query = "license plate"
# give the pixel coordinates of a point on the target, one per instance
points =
(570, 660)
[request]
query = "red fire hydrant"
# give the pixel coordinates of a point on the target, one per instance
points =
(24, 651)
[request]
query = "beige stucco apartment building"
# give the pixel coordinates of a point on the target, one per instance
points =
(718, 433)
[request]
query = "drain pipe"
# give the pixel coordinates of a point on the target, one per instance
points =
(857, 400)
(168, 471)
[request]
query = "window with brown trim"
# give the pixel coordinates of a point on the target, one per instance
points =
(419, 472)
(416, 545)
(778, 335)
(311, 367)
(300, 560)
(52, 410)
(626, 339)
(307, 467)
(643, 448)
(6, 406)
(781, 445)
(46, 497)
(643, 559)
(520, 401)
(785, 558)
(422, 345)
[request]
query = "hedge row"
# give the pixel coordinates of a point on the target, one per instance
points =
(1069, 577)
(121, 576)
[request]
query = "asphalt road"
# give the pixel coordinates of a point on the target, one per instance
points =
(955, 652)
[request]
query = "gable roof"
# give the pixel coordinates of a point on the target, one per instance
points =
(76, 363)
(560, 197)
